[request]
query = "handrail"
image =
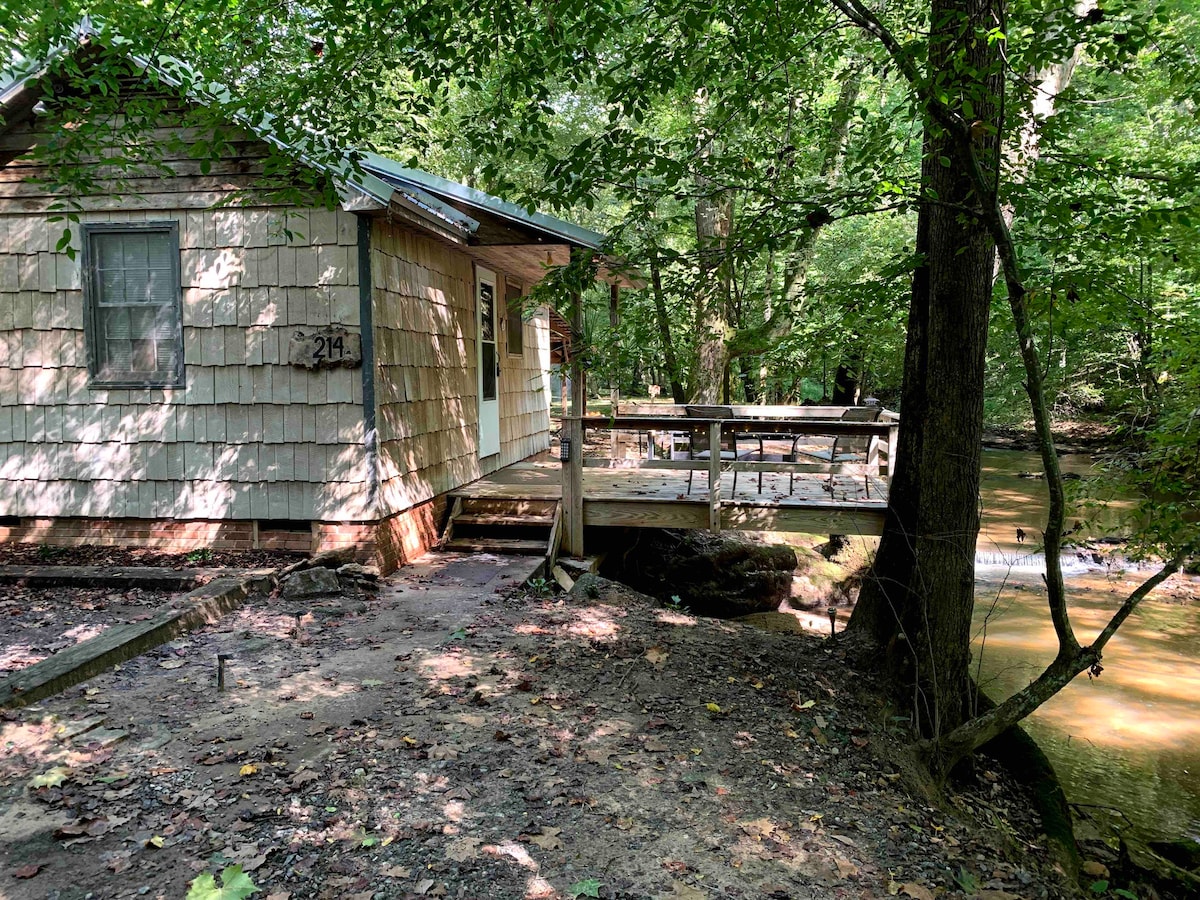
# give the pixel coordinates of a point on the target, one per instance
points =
(833, 427)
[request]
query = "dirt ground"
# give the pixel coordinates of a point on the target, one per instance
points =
(13, 554)
(36, 622)
(455, 736)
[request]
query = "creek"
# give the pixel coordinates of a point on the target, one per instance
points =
(1130, 738)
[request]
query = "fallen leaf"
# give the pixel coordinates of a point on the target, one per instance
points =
(656, 656)
(548, 840)
(157, 841)
(392, 872)
(27, 871)
(51, 778)
(845, 868)
(371, 682)
(916, 891)
(463, 849)
(304, 776)
(681, 891)
(172, 663)
(712, 707)
(422, 887)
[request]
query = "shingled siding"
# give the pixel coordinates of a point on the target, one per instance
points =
(426, 388)
(525, 392)
(248, 437)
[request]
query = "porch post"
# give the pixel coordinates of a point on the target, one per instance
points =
(714, 476)
(572, 487)
(614, 320)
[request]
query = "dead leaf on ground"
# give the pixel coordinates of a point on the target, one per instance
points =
(681, 891)
(916, 891)
(392, 872)
(27, 871)
(304, 776)
(172, 663)
(463, 849)
(422, 887)
(548, 840)
(845, 868)
(656, 656)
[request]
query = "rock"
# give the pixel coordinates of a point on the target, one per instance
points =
(360, 573)
(326, 559)
(331, 559)
(310, 583)
(721, 575)
(1094, 869)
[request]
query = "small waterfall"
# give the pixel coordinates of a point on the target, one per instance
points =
(1072, 563)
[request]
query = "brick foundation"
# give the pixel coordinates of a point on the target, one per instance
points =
(389, 543)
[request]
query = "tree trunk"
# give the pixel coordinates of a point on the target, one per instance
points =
(918, 598)
(664, 333)
(847, 381)
(714, 213)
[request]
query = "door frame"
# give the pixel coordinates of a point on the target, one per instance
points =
(489, 409)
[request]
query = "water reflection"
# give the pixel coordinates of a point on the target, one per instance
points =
(1130, 738)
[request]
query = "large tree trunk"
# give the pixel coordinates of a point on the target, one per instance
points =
(918, 599)
(714, 212)
(670, 357)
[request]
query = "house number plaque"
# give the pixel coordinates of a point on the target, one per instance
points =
(325, 348)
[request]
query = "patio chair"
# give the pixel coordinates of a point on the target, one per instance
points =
(697, 441)
(846, 448)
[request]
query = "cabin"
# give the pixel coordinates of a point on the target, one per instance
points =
(189, 372)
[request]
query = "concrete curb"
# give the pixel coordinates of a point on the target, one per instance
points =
(203, 606)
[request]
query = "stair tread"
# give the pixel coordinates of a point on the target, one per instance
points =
(499, 519)
(512, 545)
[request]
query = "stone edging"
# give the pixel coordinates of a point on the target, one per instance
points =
(68, 667)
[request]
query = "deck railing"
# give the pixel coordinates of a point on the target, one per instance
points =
(882, 437)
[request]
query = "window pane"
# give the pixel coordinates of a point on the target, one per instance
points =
(134, 292)
(487, 312)
(488, 373)
(516, 324)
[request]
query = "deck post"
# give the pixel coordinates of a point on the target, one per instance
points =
(614, 322)
(572, 487)
(714, 476)
(893, 448)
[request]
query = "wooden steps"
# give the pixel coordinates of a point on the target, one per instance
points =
(489, 525)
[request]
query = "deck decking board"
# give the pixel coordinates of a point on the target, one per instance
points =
(816, 503)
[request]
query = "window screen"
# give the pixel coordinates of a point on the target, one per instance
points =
(133, 296)
(516, 325)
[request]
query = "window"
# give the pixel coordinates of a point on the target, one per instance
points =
(132, 300)
(515, 324)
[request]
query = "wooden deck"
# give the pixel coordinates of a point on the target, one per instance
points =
(659, 498)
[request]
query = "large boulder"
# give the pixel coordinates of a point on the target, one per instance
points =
(310, 583)
(723, 575)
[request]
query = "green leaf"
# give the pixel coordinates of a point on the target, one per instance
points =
(235, 885)
(1098, 887)
(589, 887)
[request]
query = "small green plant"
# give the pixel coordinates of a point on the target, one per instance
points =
(589, 887)
(968, 882)
(235, 885)
(675, 604)
(203, 555)
(45, 552)
(539, 587)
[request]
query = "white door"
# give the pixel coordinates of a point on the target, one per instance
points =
(488, 363)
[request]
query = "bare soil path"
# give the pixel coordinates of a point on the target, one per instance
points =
(455, 736)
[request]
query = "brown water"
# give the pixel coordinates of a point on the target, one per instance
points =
(1130, 738)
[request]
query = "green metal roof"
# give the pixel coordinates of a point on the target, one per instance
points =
(415, 179)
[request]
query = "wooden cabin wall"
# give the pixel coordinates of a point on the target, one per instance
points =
(426, 385)
(424, 324)
(249, 437)
(525, 391)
